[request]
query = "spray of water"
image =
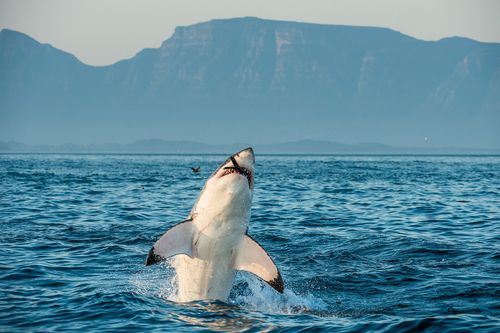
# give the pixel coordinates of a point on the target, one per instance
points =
(157, 281)
(249, 292)
(252, 293)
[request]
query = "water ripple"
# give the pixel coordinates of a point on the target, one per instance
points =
(364, 243)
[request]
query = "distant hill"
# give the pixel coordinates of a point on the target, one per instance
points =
(156, 146)
(254, 80)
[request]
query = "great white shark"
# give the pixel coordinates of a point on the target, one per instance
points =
(213, 243)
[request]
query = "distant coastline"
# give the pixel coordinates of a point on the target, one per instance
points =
(158, 146)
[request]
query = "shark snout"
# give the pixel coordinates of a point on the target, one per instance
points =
(242, 163)
(247, 156)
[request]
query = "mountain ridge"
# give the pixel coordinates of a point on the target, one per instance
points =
(9, 30)
(285, 79)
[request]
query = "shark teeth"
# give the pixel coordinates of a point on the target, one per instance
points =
(240, 170)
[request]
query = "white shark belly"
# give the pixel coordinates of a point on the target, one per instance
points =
(202, 279)
(210, 273)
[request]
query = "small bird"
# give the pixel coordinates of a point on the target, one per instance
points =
(195, 170)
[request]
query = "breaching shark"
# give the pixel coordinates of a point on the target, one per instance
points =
(213, 243)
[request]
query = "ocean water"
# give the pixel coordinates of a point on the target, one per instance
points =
(364, 243)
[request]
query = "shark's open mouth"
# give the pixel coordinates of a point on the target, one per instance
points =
(238, 169)
(242, 171)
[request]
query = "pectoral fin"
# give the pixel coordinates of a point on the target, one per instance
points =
(251, 257)
(177, 240)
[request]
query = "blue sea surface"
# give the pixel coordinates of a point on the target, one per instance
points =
(364, 243)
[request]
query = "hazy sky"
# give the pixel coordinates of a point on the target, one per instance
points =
(104, 31)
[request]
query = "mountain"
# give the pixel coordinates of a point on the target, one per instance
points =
(158, 146)
(254, 80)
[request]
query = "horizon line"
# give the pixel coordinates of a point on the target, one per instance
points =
(358, 145)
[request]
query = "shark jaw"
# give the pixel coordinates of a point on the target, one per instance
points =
(241, 163)
(214, 240)
(239, 170)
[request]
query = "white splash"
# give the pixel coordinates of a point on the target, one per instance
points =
(261, 297)
(160, 281)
